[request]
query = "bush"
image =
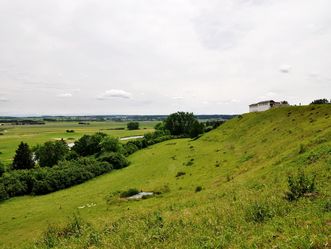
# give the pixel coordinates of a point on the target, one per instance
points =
(3, 192)
(110, 144)
(320, 101)
(299, 186)
(198, 189)
(45, 180)
(116, 159)
(133, 126)
(130, 148)
(258, 212)
(180, 173)
(129, 192)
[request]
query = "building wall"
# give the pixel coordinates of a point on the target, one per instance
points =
(260, 107)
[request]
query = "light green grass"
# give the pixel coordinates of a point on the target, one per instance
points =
(34, 134)
(243, 162)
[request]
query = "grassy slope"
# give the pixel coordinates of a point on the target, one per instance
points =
(245, 161)
(34, 134)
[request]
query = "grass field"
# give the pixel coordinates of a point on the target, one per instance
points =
(242, 168)
(34, 134)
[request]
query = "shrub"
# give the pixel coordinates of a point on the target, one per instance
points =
(299, 186)
(3, 192)
(180, 173)
(198, 189)
(45, 180)
(320, 101)
(129, 192)
(133, 126)
(116, 159)
(110, 144)
(258, 212)
(130, 148)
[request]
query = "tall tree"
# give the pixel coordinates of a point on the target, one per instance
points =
(51, 153)
(23, 158)
(182, 123)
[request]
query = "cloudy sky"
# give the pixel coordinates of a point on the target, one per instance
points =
(161, 56)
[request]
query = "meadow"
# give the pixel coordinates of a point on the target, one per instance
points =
(34, 134)
(225, 189)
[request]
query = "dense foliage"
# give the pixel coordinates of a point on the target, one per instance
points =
(58, 167)
(320, 101)
(45, 180)
(51, 153)
(89, 144)
(182, 123)
(23, 158)
(118, 160)
(133, 126)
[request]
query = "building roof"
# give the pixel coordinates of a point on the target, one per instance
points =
(263, 102)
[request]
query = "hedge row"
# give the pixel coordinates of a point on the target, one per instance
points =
(45, 180)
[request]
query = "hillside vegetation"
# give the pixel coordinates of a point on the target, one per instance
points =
(226, 189)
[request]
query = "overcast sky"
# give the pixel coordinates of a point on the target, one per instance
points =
(161, 56)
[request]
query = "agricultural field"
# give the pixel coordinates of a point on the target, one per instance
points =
(226, 189)
(34, 134)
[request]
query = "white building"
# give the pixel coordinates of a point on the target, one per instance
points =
(266, 105)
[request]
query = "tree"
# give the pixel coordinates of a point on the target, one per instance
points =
(89, 144)
(23, 158)
(197, 129)
(181, 123)
(110, 144)
(133, 126)
(320, 101)
(51, 153)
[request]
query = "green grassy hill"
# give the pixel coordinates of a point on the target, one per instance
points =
(242, 168)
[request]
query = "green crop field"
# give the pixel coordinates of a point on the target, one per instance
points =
(241, 168)
(34, 134)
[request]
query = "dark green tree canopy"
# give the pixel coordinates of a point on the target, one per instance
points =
(89, 144)
(23, 158)
(133, 126)
(182, 123)
(320, 101)
(51, 153)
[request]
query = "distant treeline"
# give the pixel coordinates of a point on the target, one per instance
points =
(118, 118)
(22, 122)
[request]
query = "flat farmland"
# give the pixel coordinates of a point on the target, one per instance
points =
(12, 135)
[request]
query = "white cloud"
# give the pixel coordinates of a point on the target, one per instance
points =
(64, 95)
(178, 98)
(285, 68)
(3, 99)
(215, 50)
(114, 93)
